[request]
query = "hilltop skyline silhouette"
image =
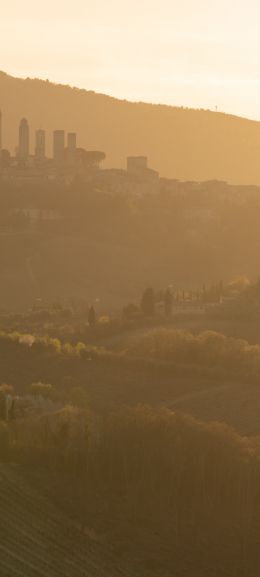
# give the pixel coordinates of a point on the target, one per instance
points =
(180, 143)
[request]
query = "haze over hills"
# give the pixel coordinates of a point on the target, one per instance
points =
(180, 143)
(104, 242)
(129, 338)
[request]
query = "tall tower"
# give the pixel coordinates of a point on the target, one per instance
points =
(39, 145)
(58, 146)
(24, 140)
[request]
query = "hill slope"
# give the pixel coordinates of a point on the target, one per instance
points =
(180, 143)
(38, 540)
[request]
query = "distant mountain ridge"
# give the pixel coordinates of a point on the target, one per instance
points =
(180, 143)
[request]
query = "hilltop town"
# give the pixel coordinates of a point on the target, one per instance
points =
(70, 162)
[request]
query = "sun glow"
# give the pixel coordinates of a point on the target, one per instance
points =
(197, 54)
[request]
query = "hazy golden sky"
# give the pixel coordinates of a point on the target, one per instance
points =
(198, 53)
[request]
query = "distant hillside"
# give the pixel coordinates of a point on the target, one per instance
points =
(111, 247)
(180, 143)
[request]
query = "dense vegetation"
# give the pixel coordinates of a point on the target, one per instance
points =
(190, 489)
(208, 349)
(225, 356)
(154, 477)
(164, 491)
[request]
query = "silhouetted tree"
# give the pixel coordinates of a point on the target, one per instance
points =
(92, 317)
(90, 157)
(147, 302)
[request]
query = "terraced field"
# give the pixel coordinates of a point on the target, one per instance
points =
(37, 540)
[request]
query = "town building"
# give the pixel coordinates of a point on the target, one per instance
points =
(58, 147)
(39, 145)
(24, 140)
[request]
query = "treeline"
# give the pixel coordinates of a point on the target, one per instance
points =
(176, 494)
(208, 352)
(194, 488)
(165, 300)
(206, 349)
(45, 346)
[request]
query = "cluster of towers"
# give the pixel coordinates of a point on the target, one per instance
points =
(63, 151)
(59, 146)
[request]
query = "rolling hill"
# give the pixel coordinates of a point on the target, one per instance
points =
(181, 143)
(38, 540)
